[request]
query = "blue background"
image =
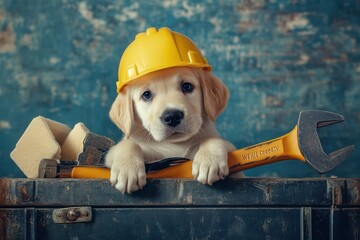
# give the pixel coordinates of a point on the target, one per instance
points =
(59, 59)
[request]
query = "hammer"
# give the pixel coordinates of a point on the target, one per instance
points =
(302, 143)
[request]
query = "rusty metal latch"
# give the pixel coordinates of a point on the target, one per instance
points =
(72, 215)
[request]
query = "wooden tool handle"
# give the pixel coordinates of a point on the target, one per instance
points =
(282, 148)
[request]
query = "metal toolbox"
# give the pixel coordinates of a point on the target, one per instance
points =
(249, 208)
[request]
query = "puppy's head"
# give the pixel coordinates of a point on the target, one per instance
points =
(169, 104)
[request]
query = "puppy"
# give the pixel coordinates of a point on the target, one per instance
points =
(169, 113)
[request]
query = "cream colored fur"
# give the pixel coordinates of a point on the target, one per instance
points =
(147, 138)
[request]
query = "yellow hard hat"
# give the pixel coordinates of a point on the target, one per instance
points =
(154, 50)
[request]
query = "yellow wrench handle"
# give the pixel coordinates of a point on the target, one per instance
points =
(282, 148)
(183, 170)
(278, 149)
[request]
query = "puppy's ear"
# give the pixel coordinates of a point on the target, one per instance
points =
(121, 112)
(215, 94)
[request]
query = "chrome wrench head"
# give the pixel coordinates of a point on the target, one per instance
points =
(309, 143)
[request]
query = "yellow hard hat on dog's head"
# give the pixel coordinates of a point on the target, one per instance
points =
(154, 50)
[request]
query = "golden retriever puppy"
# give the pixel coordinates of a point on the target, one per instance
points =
(169, 113)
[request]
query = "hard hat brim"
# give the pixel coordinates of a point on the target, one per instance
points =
(121, 85)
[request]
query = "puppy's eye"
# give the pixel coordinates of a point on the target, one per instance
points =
(187, 87)
(147, 96)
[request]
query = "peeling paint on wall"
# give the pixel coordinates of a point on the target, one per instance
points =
(4, 125)
(88, 15)
(7, 40)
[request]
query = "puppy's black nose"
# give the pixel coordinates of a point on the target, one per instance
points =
(172, 117)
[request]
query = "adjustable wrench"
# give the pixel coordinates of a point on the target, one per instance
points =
(302, 143)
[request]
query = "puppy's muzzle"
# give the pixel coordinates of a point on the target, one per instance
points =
(172, 117)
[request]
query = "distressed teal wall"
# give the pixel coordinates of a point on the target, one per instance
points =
(59, 59)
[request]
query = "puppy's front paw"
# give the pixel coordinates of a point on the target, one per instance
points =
(127, 172)
(209, 168)
(210, 162)
(128, 177)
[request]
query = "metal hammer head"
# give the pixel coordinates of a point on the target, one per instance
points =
(309, 142)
